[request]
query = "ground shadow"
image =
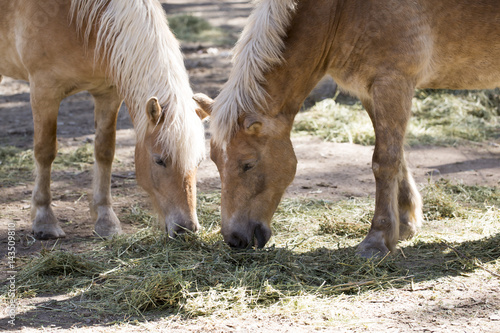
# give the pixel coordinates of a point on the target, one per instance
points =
(423, 262)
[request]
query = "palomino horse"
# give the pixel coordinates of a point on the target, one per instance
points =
(115, 50)
(379, 51)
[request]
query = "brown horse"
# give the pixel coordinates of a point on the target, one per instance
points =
(115, 50)
(378, 50)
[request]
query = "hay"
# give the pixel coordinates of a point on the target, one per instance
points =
(189, 28)
(440, 117)
(304, 265)
(16, 165)
(55, 270)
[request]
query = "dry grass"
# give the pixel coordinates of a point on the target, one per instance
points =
(309, 263)
(439, 118)
(189, 28)
(79, 158)
(310, 260)
(16, 165)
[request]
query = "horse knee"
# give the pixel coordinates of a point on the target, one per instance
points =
(45, 151)
(104, 153)
(387, 170)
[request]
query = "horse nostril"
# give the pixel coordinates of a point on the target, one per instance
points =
(257, 235)
(262, 235)
(176, 230)
(236, 241)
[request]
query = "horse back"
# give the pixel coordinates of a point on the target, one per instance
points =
(38, 38)
(465, 44)
(434, 43)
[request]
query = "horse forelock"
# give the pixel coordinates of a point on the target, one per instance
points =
(143, 58)
(259, 48)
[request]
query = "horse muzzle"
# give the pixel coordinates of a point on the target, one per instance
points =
(178, 224)
(253, 234)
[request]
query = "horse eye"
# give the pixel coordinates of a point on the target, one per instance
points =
(159, 161)
(248, 166)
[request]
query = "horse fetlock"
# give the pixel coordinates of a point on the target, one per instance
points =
(98, 209)
(410, 222)
(385, 224)
(45, 224)
(408, 227)
(107, 224)
(407, 231)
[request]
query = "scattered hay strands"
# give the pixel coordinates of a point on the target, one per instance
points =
(200, 275)
(442, 117)
(310, 262)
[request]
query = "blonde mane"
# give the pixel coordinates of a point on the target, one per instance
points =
(259, 48)
(143, 59)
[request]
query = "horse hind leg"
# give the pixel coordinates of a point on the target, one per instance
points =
(107, 105)
(45, 106)
(410, 206)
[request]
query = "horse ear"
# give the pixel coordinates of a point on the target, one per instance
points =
(205, 103)
(252, 126)
(201, 113)
(153, 110)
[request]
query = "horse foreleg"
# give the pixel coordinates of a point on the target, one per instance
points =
(390, 111)
(410, 205)
(106, 111)
(45, 107)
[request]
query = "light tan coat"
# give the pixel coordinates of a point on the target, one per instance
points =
(115, 50)
(380, 51)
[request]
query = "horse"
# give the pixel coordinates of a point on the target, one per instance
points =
(379, 51)
(117, 51)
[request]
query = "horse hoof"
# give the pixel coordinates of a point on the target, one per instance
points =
(369, 253)
(108, 232)
(45, 233)
(371, 248)
(107, 225)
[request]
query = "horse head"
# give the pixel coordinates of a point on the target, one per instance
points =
(256, 166)
(171, 189)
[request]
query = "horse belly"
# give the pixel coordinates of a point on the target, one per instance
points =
(465, 44)
(480, 75)
(10, 61)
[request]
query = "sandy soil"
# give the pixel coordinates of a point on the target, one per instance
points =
(326, 170)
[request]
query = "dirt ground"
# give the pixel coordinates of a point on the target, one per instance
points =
(326, 170)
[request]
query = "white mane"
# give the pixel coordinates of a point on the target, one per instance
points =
(259, 47)
(144, 60)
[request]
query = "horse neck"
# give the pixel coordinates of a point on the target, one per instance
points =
(135, 47)
(307, 56)
(142, 59)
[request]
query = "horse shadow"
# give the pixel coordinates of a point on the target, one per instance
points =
(423, 262)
